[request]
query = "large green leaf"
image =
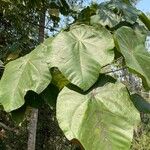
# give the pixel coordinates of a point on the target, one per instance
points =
(80, 53)
(26, 73)
(132, 46)
(106, 17)
(102, 119)
(114, 12)
(128, 12)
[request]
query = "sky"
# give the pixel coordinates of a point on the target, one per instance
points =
(144, 5)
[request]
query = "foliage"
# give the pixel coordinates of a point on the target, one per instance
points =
(18, 35)
(23, 82)
(113, 12)
(134, 51)
(141, 137)
(19, 24)
(106, 121)
(78, 51)
(91, 107)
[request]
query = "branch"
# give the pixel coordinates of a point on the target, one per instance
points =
(115, 70)
(6, 127)
(120, 58)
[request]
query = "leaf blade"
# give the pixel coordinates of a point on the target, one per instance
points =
(80, 53)
(104, 118)
(132, 47)
(21, 75)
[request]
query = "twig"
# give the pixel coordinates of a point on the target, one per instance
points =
(120, 58)
(6, 127)
(115, 70)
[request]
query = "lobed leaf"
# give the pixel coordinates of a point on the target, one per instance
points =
(114, 12)
(103, 118)
(132, 46)
(105, 17)
(81, 52)
(128, 12)
(30, 72)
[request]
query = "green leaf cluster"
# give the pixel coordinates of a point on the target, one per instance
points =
(91, 106)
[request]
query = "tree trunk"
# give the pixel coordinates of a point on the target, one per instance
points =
(34, 113)
(41, 27)
(32, 129)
